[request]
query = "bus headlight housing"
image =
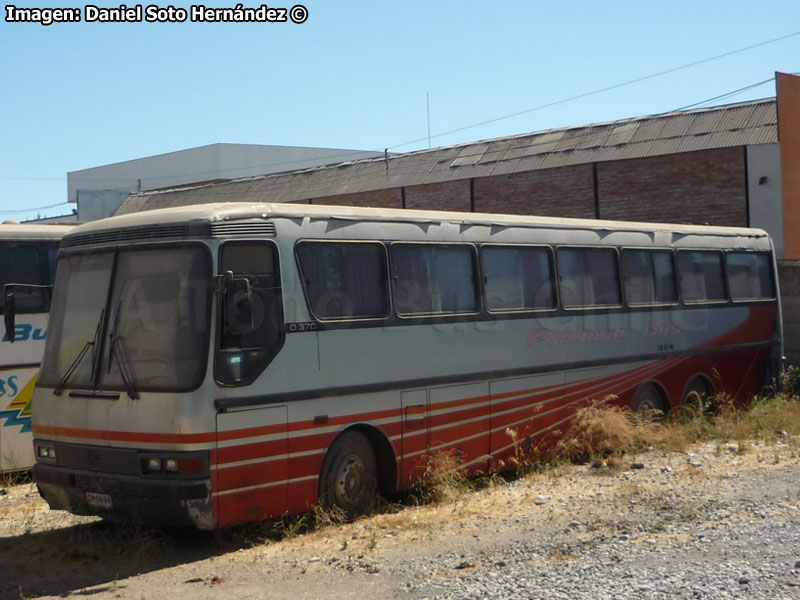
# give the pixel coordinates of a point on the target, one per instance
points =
(188, 464)
(45, 452)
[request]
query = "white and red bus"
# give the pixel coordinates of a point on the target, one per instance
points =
(27, 264)
(229, 362)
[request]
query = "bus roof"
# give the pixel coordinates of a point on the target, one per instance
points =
(31, 231)
(231, 211)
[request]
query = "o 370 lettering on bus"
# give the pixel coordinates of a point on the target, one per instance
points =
(299, 327)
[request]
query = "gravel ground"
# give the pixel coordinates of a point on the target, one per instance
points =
(666, 545)
(715, 523)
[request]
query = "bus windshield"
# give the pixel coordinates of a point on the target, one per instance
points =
(135, 319)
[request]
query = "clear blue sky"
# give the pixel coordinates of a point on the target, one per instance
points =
(356, 75)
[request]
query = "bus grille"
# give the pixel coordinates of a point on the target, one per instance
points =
(97, 458)
(127, 234)
(246, 228)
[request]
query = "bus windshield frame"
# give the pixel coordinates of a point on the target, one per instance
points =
(135, 318)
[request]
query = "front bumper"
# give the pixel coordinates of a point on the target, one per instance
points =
(160, 501)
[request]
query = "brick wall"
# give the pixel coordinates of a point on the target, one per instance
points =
(701, 187)
(558, 192)
(447, 195)
(704, 187)
(789, 276)
(388, 198)
(707, 186)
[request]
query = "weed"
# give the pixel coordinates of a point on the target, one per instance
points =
(372, 541)
(606, 431)
(12, 478)
(789, 381)
(444, 479)
(293, 525)
(328, 517)
(524, 458)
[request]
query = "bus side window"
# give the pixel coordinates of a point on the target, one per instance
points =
(518, 278)
(588, 277)
(245, 352)
(26, 263)
(345, 280)
(434, 279)
(750, 276)
(649, 277)
(701, 276)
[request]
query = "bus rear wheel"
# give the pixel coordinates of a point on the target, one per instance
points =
(695, 399)
(348, 481)
(649, 403)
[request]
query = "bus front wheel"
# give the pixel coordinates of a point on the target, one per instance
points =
(348, 481)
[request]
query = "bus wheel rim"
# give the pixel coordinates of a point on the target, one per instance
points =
(349, 483)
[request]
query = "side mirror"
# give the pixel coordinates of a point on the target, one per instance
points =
(238, 304)
(10, 316)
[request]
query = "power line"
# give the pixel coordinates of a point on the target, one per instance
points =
(33, 208)
(726, 95)
(9, 177)
(342, 156)
(605, 89)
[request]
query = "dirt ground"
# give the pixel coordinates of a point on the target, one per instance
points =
(53, 554)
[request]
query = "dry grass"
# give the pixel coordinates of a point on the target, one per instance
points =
(444, 480)
(606, 431)
(765, 419)
(606, 434)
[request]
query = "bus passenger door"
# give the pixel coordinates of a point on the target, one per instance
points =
(416, 431)
(251, 464)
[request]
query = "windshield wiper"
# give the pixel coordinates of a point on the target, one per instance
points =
(93, 344)
(118, 352)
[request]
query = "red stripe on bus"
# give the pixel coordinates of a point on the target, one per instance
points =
(125, 436)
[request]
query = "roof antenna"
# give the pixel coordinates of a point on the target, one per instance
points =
(428, 104)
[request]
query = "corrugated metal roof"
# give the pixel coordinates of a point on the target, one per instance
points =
(740, 124)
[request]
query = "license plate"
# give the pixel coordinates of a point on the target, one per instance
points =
(99, 500)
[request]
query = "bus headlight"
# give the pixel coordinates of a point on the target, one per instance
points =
(187, 464)
(45, 451)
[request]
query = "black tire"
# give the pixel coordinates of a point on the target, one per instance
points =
(695, 400)
(348, 480)
(649, 403)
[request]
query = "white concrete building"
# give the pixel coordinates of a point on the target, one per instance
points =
(99, 191)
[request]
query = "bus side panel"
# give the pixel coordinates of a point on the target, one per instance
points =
(16, 441)
(460, 425)
(19, 369)
(251, 464)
